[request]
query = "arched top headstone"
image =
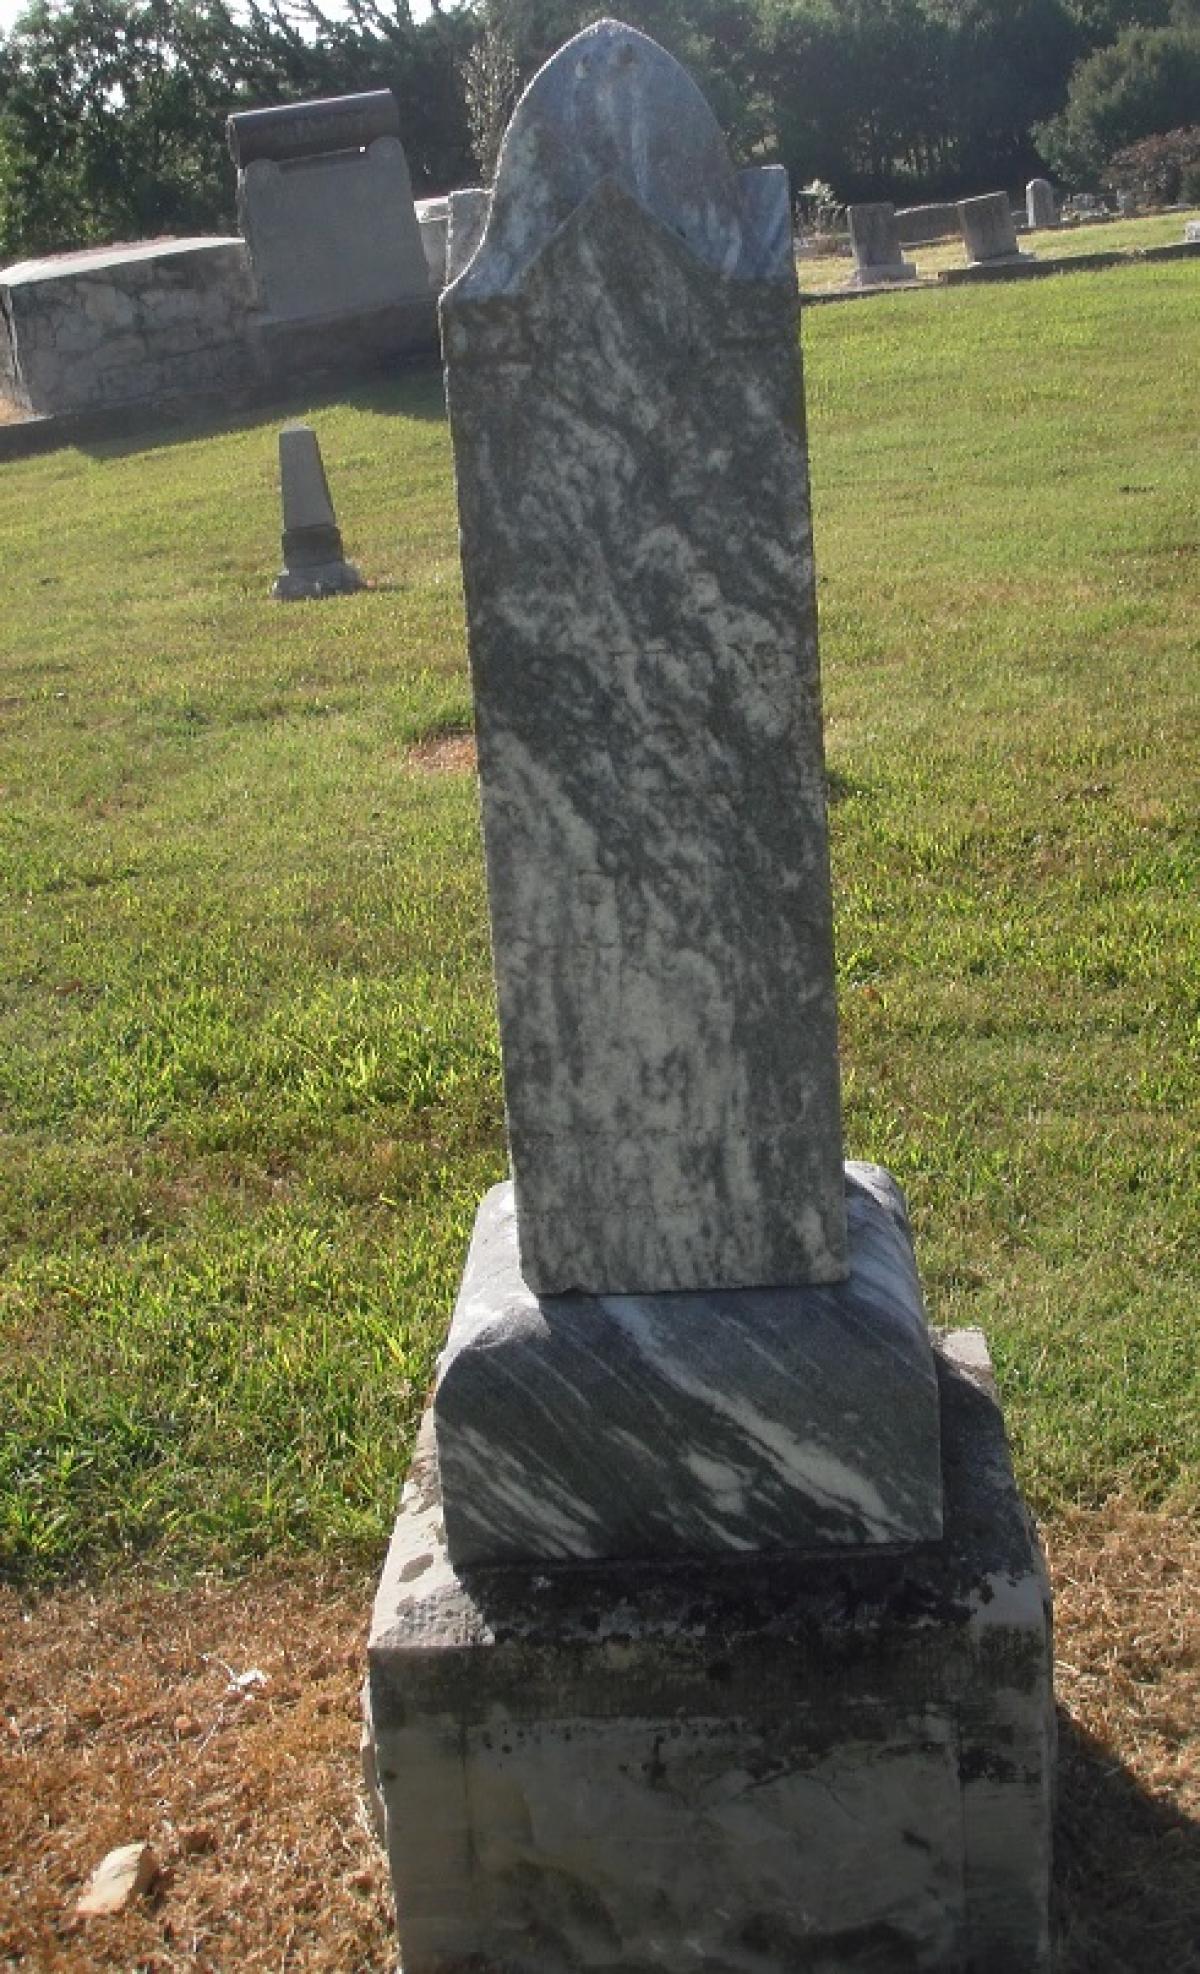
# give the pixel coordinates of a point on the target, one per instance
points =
(613, 106)
(622, 380)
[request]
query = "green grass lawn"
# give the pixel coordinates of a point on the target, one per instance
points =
(824, 271)
(249, 1091)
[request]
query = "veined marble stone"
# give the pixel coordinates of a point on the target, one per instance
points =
(621, 373)
(689, 1424)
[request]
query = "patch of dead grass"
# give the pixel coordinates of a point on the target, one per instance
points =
(120, 1724)
(444, 753)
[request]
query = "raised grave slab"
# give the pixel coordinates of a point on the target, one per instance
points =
(918, 226)
(160, 320)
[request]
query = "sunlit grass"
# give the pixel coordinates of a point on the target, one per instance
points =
(248, 1080)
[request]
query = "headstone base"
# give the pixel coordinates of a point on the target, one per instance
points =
(880, 277)
(1001, 260)
(321, 579)
(728, 1765)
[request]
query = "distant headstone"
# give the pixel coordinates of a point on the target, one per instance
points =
(314, 561)
(988, 231)
(433, 218)
(876, 243)
(326, 206)
(1041, 206)
(468, 217)
(1191, 232)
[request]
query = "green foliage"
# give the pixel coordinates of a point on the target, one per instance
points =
(1147, 82)
(111, 114)
(108, 115)
(1159, 170)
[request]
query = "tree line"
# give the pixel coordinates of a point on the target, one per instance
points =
(112, 111)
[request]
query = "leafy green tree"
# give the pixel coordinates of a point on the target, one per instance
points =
(111, 122)
(1147, 82)
(112, 112)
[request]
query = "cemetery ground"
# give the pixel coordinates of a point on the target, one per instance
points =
(824, 271)
(249, 1091)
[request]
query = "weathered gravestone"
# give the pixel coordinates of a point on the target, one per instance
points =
(988, 231)
(876, 242)
(713, 1634)
(468, 217)
(1041, 206)
(325, 203)
(314, 562)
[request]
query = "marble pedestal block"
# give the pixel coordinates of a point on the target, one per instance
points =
(575, 1426)
(733, 1765)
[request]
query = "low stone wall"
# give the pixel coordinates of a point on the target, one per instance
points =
(172, 326)
(125, 325)
(918, 225)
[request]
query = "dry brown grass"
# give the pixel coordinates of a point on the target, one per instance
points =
(120, 1724)
(444, 753)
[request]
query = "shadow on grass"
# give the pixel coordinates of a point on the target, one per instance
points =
(1127, 1868)
(414, 392)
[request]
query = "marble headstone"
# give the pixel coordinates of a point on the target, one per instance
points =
(712, 1635)
(620, 360)
(1041, 206)
(314, 563)
(878, 256)
(685, 1327)
(468, 217)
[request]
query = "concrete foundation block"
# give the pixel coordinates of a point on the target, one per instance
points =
(729, 1765)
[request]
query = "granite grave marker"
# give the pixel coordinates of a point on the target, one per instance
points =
(989, 234)
(325, 203)
(878, 257)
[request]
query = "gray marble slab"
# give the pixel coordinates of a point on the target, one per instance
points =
(580, 1426)
(624, 392)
